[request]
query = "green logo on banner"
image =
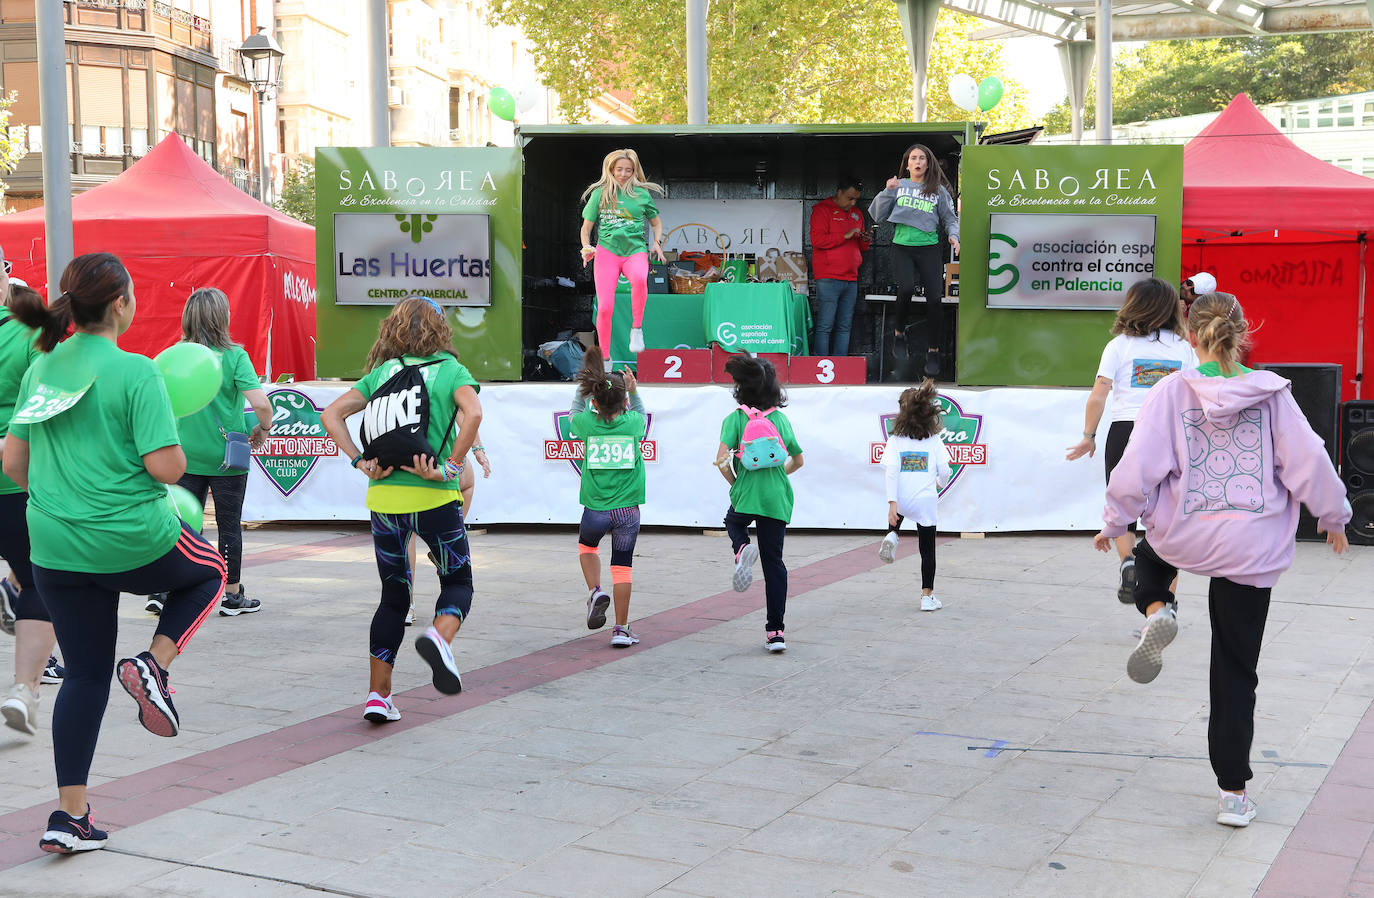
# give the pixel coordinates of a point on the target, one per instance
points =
(296, 441)
(1003, 268)
(416, 225)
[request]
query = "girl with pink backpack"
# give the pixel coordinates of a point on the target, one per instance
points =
(758, 451)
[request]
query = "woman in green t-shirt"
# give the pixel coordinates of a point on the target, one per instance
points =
(94, 442)
(205, 320)
(612, 486)
(421, 497)
(619, 205)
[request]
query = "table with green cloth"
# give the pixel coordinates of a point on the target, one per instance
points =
(685, 320)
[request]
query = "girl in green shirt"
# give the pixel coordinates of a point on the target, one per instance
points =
(420, 498)
(94, 442)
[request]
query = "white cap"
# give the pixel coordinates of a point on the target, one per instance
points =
(18, 281)
(1204, 283)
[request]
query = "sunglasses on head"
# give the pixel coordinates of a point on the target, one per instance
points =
(9, 266)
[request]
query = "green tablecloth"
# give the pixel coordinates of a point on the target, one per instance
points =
(757, 317)
(671, 321)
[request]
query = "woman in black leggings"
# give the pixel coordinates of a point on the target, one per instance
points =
(94, 443)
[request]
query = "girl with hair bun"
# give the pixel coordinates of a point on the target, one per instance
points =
(916, 468)
(94, 442)
(612, 486)
(1218, 464)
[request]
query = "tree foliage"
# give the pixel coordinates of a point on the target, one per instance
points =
(769, 61)
(298, 192)
(13, 146)
(1169, 78)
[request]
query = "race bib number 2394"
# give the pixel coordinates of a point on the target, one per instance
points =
(47, 403)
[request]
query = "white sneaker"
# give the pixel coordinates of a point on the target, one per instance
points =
(636, 340)
(379, 709)
(1235, 810)
(621, 637)
(20, 709)
(930, 603)
(437, 654)
(1147, 660)
(597, 603)
(887, 552)
(410, 615)
(744, 566)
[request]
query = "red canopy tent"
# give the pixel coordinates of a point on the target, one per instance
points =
(1285, 232)
(178, 225)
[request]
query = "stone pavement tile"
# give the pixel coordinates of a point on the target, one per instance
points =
(1074, 876)
(749, 723)
(1140, 801)
(1331, 835)
(842, 721)
(496, 769)
(728, 803)
(1009, 703)
(689, 747)
(1009, 729)
(842, 843)
(651, 835)
(1280, 806)
(575, 872)
(1228, 877)
(520, 839)
(1346, 802)
(795, 776)
(905, 770)
(735, 872)
(278, 863)
(1192, 778)
(192, 834)
(196, 882)
(409, 870)
(997, 842)
(910, 875)
(1068, 688)
(866, 804)
(828, 748)
(333, 834)
(574, 802)
(1261, 841)
(640, 773)
(576, 746)
(98, 874)
(1189, 849)
(1307, 874)
(622, 716)
(419, 798)
(444, 743)
(1056, 813)
(1059, 775)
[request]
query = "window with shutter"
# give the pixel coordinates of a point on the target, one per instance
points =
(102, 96)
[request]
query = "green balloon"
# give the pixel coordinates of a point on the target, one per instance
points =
(193, 376)
(502, 103)
(989, 93)
(185, 506)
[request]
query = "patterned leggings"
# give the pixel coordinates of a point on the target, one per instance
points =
(623, 526)
(442, 530)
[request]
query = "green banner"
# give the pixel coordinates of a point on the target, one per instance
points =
(392, 222)
(1051, 239)
(671, 321)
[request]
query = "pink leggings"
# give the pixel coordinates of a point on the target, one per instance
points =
(608, 267)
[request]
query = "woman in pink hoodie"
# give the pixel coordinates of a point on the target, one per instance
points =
(1220, 458)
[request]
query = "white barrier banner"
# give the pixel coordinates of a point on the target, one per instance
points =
(1007, 446)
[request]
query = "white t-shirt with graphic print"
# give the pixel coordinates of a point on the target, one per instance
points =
(1134, 364)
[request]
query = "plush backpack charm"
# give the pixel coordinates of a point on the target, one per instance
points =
(760, 445)
(395, 425)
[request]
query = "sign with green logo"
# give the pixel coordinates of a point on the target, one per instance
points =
(296, 441)
(444, 223)
(1052, 238)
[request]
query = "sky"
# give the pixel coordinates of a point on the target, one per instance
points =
(1034, 61)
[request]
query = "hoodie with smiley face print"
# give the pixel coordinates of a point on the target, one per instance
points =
(1216, 468)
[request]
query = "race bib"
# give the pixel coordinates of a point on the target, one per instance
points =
(47, 403)
(611, 453)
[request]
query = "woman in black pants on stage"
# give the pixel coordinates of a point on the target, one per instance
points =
(918, 203)
(94, 443)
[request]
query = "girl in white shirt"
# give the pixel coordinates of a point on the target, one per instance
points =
(916, 467)
(1148, 345)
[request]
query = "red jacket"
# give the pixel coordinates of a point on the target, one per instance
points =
(832, 256)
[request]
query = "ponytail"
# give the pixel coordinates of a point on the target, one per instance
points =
(89, 284)
(52, 321)
(607, 391)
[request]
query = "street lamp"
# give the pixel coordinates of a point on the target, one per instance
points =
(260, 59)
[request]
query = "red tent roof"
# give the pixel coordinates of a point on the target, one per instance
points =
(171, 202)
(1241, 173)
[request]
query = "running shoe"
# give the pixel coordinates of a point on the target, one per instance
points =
(145, 680)
(20, 709)
(887, 552)
(622, 637)
(437, 654)
(1235, 810)
(68, 835)
(410, 615)
(8, 597)
(774, 641)
(744, 566)
(1125, 593)
(53, 673)
(379, 709)
(930, 603)
(1147, 660)
(636, 340)
(155, 602)
(238, 603)
(597, 603)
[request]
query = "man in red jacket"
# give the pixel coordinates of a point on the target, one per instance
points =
(838, 240)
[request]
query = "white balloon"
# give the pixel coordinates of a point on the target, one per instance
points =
(527, 96)
(963, 90)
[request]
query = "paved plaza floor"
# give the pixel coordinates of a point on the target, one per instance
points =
(995, 747)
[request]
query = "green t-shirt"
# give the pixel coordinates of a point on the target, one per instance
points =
(17, 352)
(906, 235)
(93, 506)
(766, 492)
(441, 381)
(612, 464)
(202, 434)
(621, 231)
(1212, 369)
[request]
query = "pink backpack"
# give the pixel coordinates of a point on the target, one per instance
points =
(760, 445)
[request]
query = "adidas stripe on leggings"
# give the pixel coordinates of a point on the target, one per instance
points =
(84, 609)
(442, 530)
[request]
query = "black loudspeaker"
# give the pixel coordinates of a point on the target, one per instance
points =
(1317, 390)
(1357, 468)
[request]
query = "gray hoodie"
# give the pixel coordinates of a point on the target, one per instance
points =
(909, 204)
